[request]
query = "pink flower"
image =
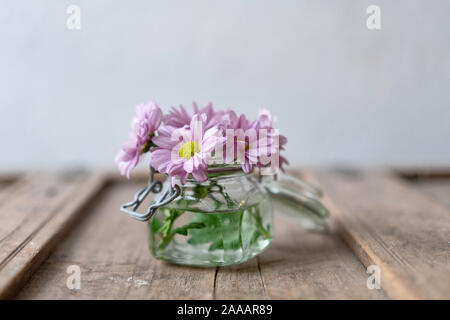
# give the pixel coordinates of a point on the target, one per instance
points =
(147, 121)
(179, 118)
(267, 121)
(144, 125)
(186, 150)
(127, 158)
(250, 146)
(225, 119)
(185, 143)
(245, 139)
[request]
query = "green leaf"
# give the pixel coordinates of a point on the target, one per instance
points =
(184, 229)
(221, 230)
(218, 245)
(200, 191)
(155, 225)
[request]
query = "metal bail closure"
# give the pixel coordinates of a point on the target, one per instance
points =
(155, 187)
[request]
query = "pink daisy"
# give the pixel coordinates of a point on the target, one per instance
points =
(179, 118)
(186, 150)
(244, 146)
(147, 120)
(249, 143)
(267, 121)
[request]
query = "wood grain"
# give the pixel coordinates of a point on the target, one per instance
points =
(242, 281)
(37, 211)
(112, 251)
(6, 181)
(391, 225)
(437, 189)
(308, 265)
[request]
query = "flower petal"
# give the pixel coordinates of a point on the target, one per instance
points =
(189, 165)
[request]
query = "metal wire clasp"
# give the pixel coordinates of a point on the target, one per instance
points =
(155, 187)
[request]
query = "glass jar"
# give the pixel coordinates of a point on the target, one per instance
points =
(223, 221)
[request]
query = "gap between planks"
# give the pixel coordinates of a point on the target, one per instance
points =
(389, 224)
(286, 280)
(112, 252)
(35, 213)
(298, 265)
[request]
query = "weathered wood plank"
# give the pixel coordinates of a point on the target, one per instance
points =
(294, 268)
(308, 265)
(242, 281)
(112, 252)
(8, 182)
(391, 225)
(34, 216)
(437, 189)
(3, 187)
(6, 177)
(424, 173)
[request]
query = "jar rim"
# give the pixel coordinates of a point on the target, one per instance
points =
(220, 172)
(224, 169)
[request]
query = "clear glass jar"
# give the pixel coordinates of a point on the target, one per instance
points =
(225, 220)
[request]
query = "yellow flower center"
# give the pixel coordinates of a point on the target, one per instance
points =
(188, 150)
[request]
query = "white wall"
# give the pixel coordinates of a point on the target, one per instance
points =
(342, 93)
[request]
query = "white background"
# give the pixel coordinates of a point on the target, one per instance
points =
(343, 94)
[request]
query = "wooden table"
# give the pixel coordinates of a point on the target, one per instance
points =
(400, 223)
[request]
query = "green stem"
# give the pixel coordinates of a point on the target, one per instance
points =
(258, 219)
(165, 230)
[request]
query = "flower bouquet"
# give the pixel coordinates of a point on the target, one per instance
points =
(223, 171)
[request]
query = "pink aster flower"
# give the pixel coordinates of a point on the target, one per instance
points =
(254, 141)
(276, 143)
(225, 119)
(147, 120)
(241, 139)
(179, 118)
(186, 150)
(127, 158)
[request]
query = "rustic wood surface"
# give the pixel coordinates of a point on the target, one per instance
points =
(112, 252)
(389, 224)
(5, 181)
(376, 218)
(434, 183)
(35, 212)
(437, 189)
